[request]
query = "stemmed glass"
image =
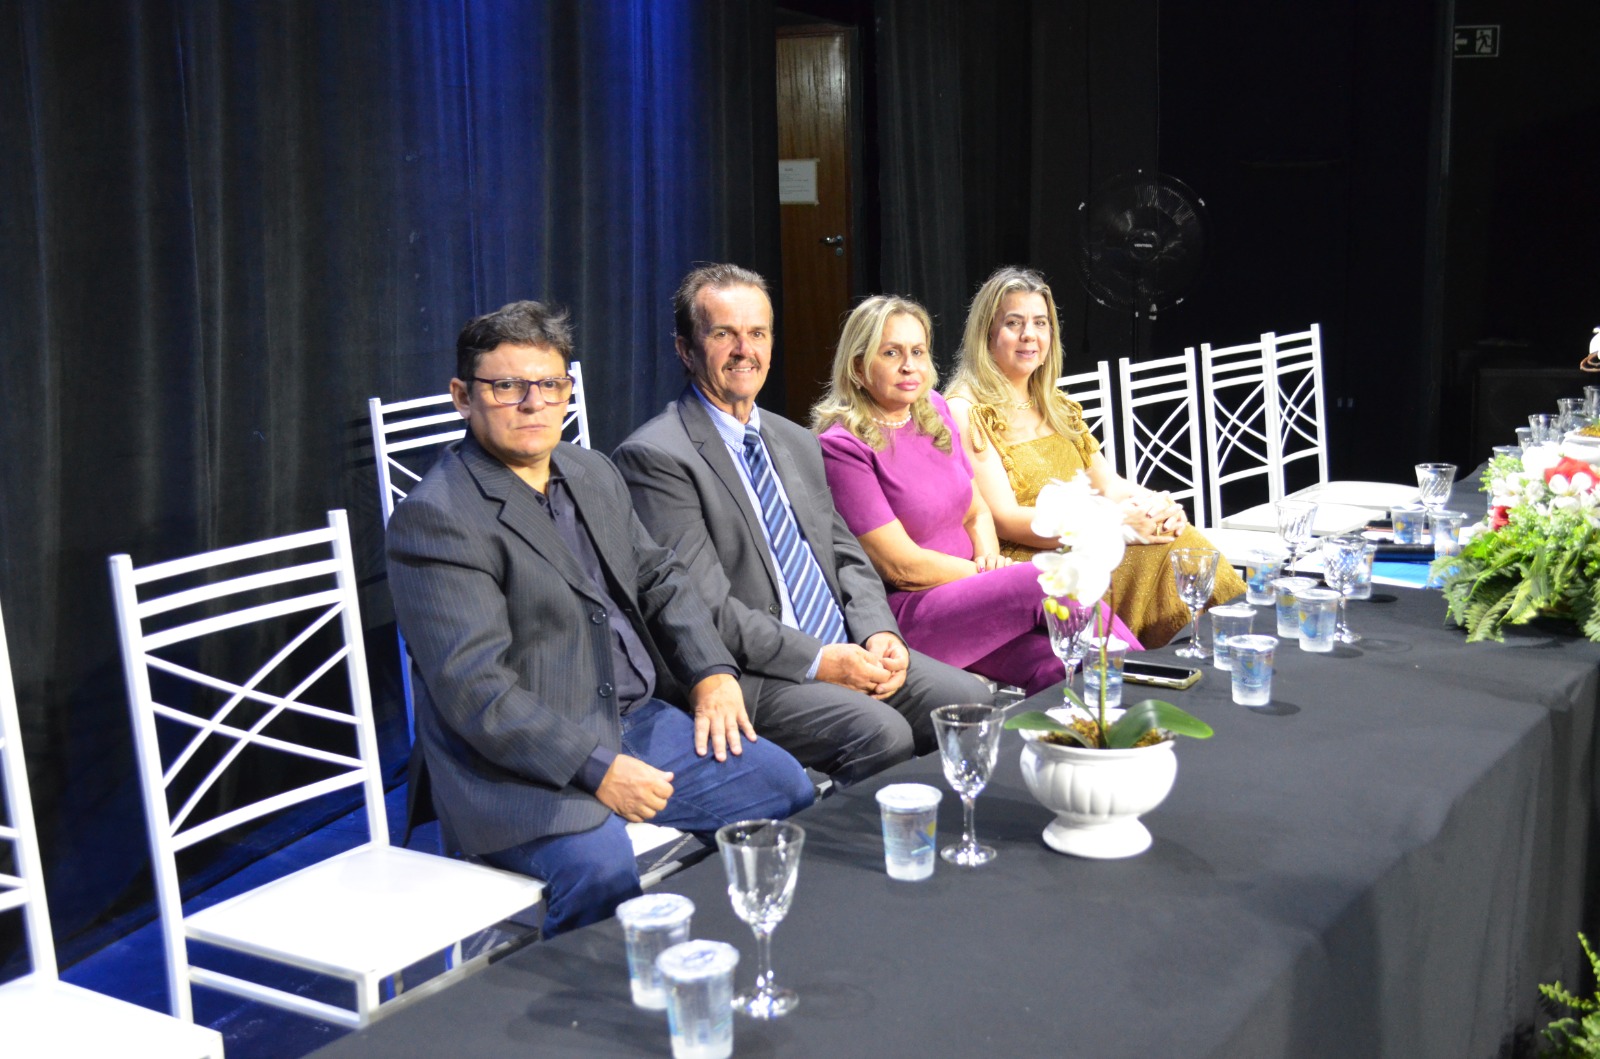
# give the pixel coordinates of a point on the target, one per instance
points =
(1434, 481)
(969, 742)
(1296, 519)
(1195, 572)
(1066, 635)
(762, 858)
(1342, 558)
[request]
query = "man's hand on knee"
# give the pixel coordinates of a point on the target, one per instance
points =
(634, 790)
(891, 653)
(854, 667)
(720, 716)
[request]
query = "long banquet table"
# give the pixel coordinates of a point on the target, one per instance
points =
(1383, 863)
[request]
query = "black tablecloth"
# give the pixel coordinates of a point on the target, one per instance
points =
(1383, 863)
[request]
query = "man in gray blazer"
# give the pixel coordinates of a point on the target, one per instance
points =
(544, 622)
(739, 494)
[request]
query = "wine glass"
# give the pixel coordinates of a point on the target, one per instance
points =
(1434, 481)
(1342, 558)
(969, 742)
(1066, 627)
(762, 858)
(1195, 572)
(1296, 519)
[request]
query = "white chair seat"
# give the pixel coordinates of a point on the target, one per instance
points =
(1331, 518)
(44, 1018)
(338, 916)
(1377, 495)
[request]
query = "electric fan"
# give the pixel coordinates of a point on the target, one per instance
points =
(1141, 241)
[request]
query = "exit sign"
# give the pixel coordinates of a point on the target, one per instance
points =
(1477, 42)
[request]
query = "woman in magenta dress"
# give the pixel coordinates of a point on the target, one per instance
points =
(904, 486)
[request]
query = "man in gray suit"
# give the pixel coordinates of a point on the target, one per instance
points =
(543, 621)
(740, 495)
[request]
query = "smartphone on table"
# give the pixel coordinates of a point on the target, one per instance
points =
(1160, 674)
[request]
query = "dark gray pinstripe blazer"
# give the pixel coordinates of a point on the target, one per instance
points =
(511, 642)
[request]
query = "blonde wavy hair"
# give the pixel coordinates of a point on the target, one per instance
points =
(847, 401)
(980, 381)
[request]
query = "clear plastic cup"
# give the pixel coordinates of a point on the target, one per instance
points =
(1408, 521)
(652, 924)
(699, 979)
(1116, 654)
(1319, 618)
(1288, 611)
(1252, 669)
(910, 814)
(1363, 586)
(1261, 567)
(1229, 621)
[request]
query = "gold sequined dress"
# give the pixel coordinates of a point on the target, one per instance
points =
(1145, 594)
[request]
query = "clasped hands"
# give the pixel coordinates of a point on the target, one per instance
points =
(1155, 518)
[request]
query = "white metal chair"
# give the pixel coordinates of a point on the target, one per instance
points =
(1242, 431)
(40, 1015)
(406, 438)
(1161, 427)
(197, 625)
(1092, 389)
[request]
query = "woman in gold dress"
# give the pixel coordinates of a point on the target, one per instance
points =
(1020, 432)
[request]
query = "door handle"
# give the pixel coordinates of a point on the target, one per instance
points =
(835, 241)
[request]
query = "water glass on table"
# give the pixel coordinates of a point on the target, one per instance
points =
(1434, 481)
(1408, 522)
(652, 924)
(1194, 571)
(1288, 609)
(1252, 669)
(910, 817)
(1107, 671)
(699, 983)
(1446, 539)
(1066, 626)
(1543, 426)
(1228, 622)
(1341, 566)
(762, 860)
(1261, 566)
(969, 743)
(1297, 520)
(1569, 415)
(1319, 619)
(1525, 438)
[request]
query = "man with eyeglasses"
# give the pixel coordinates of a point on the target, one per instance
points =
(739, 493)
(551, 636)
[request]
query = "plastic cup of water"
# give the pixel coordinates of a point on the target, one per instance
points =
(1227, 622)
(699, 978)
(1261, 567)
(1363, 586)
(1116, 654)
(1408, 521)
(910, 814)
(1288, 610)
(1252, 669)
(1319, 618)
(651, 924)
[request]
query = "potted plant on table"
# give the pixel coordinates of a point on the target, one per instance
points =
(1098, 770)
(1537, 555)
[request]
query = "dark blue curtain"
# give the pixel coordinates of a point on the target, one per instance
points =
(223, 226)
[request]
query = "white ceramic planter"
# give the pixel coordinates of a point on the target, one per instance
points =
(1098, 795)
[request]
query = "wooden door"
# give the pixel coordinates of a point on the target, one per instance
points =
(814, 124)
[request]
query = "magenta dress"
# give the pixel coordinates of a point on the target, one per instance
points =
(991, 623)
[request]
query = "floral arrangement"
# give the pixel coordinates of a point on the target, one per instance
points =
(1089, 527)
(1538, 553)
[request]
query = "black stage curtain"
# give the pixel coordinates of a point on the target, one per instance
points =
(226, 225)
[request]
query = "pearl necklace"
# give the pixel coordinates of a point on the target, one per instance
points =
(893, 422)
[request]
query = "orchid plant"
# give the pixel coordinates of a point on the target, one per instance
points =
(1089, 527)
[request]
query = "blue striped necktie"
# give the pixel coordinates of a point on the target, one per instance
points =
(814, 608)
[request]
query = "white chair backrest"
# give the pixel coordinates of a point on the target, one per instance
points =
(1302, 420)
(1161, 428)
(1242, 432)
(406, 436)
(178, 619)
(1092, 389)
(24, 890)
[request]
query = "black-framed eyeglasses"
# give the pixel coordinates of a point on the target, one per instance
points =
(553, 390)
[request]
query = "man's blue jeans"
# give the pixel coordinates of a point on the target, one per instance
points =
(589, 873)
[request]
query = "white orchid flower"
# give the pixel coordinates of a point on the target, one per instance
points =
(1089, 528)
